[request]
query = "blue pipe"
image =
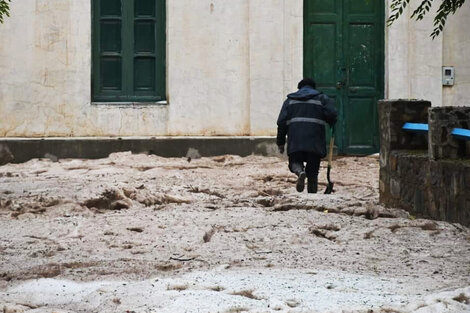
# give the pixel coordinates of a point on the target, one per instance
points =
(461, 133)
(416, 127)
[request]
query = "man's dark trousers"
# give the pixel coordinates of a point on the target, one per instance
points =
(296, 164)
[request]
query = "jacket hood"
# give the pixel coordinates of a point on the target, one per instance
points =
(306, 92)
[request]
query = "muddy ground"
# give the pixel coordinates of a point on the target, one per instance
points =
(141, 233)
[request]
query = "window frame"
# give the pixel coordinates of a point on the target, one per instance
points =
(127, 94)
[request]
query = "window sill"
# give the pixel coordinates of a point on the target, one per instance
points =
(129, 104)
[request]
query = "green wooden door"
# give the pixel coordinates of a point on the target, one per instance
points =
(343, 52)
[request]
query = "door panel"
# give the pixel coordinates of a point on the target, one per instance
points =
(363, 37)
(360, 7)
(359, 135)
(323, 48)
(361, 56)
(110, 7)
(324, 6)
(343, 52)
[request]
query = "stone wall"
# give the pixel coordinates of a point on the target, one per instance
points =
(432, 183)
(449, 194)
(392, 115)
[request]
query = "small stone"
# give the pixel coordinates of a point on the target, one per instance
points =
(372, 213)
(136, 229)
(26, 216)
(14, 309)
(192, 154)
(51, 157)
(119, 205)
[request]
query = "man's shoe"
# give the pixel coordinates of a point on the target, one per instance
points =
(301, 182)
(312, 185)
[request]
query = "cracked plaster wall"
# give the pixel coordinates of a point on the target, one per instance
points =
(229, 66)
(414, 60)
(227, 70)
(456, 47)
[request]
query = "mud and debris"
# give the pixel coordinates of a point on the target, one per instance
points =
(142, 233)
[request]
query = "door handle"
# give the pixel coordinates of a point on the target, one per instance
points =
(340, 84)
(353, 90)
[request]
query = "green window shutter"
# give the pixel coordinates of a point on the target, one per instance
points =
(128, 50)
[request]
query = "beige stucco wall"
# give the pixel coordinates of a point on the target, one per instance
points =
(208, 67)
(229, 64)
(456, 53)
(414, 60)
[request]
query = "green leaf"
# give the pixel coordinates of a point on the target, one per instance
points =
(446, 7)
(4, 9)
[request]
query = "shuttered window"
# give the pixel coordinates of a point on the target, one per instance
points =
(128, 50)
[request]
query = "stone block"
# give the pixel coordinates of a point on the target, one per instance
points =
(418, 202)
(392, 115)
(442, 120)
(395, 188)
(381, 186)
(393, 163)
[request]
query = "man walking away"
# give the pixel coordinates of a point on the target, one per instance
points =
(303, 118)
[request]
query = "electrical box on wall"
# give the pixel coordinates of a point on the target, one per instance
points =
(448, 75)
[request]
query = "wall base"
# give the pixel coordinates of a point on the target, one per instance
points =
(24, 149)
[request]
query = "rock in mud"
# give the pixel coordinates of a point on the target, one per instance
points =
(110, 199)
(51, 157)
(16, 308)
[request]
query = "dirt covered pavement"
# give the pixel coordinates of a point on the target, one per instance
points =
(141, 233)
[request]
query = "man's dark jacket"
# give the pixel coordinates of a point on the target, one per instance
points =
(303, 118)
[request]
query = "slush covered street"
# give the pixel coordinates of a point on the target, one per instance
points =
(142, 233)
